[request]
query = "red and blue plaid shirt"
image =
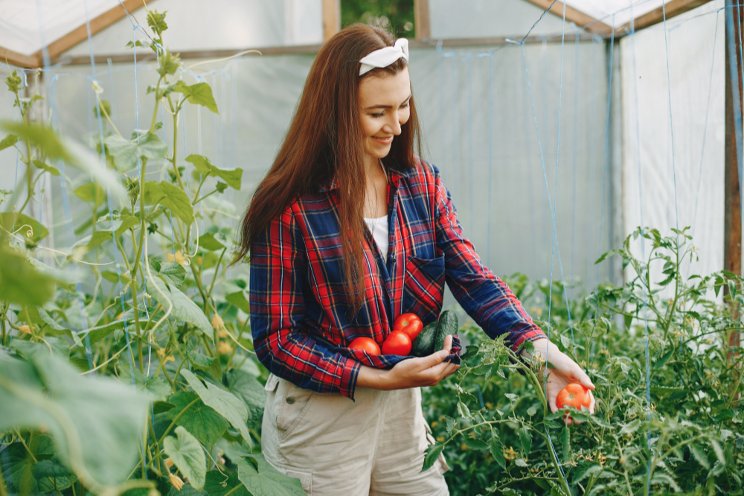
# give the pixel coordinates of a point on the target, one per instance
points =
(300, 313)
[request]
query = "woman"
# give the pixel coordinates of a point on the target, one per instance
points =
(349, 229)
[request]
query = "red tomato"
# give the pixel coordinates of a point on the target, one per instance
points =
(397, 343)
(409, 323)
(365, 344)
(574, 395)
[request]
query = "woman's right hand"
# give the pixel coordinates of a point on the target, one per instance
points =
(412, 372)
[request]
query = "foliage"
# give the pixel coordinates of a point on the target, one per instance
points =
(134, 376)
(394, 15)
(688, 438)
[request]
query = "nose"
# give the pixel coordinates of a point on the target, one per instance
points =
(394, 125)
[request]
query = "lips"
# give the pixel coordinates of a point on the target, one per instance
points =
(383, 141)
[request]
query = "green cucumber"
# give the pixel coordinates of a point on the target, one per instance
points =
(447, 325)
(424, 342)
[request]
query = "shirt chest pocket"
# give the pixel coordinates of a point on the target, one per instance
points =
(423, 288)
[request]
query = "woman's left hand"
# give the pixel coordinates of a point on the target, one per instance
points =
(561, 372)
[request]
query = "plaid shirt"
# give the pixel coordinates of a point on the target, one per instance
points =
(300, 314)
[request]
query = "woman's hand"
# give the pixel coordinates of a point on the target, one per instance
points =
(411, 372)
(561, 372)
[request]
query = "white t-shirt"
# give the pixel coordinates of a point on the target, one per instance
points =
(378, 226)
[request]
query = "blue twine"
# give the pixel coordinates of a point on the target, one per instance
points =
(548, 197)
(608, 142)
(491, 112)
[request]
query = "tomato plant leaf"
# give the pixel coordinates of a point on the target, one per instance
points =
(187, 454)
(432, 453)
(699, 455)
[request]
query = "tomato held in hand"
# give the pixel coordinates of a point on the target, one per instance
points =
(575, 396)
(365, 344)
(409, 323)
(397, 343)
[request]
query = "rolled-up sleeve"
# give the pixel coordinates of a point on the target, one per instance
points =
(278, 271)
(482, 294)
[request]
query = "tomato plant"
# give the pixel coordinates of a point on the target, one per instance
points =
(575, 396)
(397, 343)
(367, 345)
(410, 323)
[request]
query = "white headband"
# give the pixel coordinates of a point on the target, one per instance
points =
(384, 56)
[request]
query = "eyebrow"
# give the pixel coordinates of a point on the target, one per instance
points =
(386, 106)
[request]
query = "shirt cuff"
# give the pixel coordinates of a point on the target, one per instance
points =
(530, 335)
(349, 373)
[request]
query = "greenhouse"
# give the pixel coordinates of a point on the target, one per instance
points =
(557, 188)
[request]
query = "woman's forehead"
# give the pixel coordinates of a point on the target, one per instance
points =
(385, 90)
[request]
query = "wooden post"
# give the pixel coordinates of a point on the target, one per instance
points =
(331, 18)
(422, 19)
(733, 152)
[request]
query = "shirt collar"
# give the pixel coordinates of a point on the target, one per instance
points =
(394, 175)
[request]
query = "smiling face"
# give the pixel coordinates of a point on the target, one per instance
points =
(384, 108)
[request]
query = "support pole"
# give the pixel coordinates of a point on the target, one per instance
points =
(733, 154)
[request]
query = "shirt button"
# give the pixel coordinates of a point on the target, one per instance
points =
(290, 400)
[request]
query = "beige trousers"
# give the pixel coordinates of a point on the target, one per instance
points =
(371, 446)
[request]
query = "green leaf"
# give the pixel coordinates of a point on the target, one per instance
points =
(46, 167)
(585, 471)
(25, 226)
(142, 145)
(566, 442)
(239, 300)
(699, 454)
(21, 282)
(223, 402)
(171, 197)
(267, 481)
(52, 476)
(247, 387)
(202, 421)
(8, 141)
(496, 447)
(57, 147)
(203, 166)
(224, 484)
(96, 422)
(156, 21)
(197, 94)
(184, 309)
(207, 241)
(187, 456)
(90, 192)
(432, 454)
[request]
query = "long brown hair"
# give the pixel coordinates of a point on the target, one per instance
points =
(324, 142)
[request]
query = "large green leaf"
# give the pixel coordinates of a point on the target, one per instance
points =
(187, 454)
(57, 147)
(267, 481)
(202, 421)
(197, 94)
(223, 402)
(247, 387)
(224, 484)
(184, 309)
(171, 197)
(20, 281)
(96, 422)
(203, 166)
(141, 145)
